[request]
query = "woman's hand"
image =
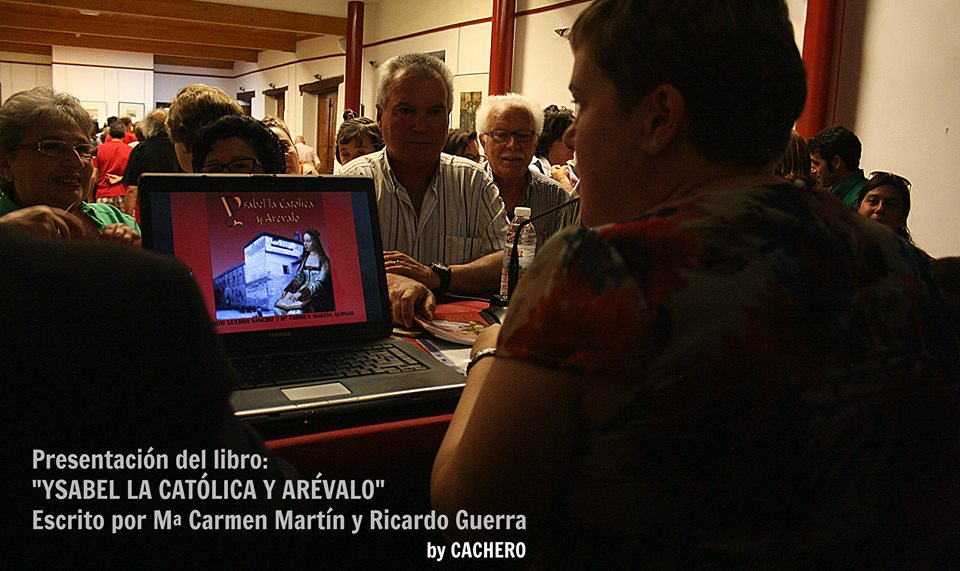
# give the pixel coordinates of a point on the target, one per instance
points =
(120, 233)
(487, 338)
(45, 222)
(561, 174)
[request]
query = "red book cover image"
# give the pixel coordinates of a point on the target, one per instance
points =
(457, 322)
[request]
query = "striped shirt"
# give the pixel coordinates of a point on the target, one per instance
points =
(461, 217)
(543, 193)
(571, 215)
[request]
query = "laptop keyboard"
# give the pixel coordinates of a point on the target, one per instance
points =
(321, 365)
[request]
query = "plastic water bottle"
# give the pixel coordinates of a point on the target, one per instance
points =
(526, 248)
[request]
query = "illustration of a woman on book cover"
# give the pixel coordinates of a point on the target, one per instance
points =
(311, 289)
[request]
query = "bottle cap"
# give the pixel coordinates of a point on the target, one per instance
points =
(522, 211)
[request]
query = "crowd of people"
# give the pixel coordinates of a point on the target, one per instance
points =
(728, 352)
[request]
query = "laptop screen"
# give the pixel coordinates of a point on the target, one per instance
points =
(271, 253)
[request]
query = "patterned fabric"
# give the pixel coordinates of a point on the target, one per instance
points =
(571, 214)
(772, 367)
(461, 217)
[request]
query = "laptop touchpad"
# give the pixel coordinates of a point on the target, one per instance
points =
(316, 392)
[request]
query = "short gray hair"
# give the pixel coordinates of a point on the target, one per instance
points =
(153, 124)
(413, 65)
(509, 101)
(27, 108)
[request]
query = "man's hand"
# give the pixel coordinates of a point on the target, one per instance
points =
(408, 298)
(114, 178)
(403, 265)
(45, 222)
(120, 233)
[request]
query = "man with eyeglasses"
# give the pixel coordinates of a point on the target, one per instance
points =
(441, 217)
(510, 126)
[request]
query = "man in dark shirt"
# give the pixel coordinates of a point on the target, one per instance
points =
(154, 154)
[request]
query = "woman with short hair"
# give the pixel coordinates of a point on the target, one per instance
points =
(238, 144)
(290, 156)
(46, 169)
(722, 370)
(463, 143)
(357, 136)
(554, 157)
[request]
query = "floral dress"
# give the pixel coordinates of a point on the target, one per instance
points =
(788, 376)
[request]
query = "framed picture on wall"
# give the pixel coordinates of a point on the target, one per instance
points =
(468, 92)
(132, 110)
(97, 111)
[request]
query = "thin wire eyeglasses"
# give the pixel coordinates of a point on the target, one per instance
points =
(60, 149)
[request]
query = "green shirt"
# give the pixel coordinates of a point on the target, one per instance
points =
(101, 214)
(849, 190)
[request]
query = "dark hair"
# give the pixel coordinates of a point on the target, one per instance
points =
(795, 163)
(898, 183)
(359, 127)
(837, 141)
(556, 121)
(457, 141)
(117, 130)
(261, 139)
(735, 62)
(315, 238)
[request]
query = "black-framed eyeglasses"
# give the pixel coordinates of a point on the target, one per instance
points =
(522, 136)
(60, 149)
(245, 165)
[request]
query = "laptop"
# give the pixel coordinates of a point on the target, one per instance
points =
(299, 330)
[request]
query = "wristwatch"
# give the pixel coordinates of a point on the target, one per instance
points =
(444, 273)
